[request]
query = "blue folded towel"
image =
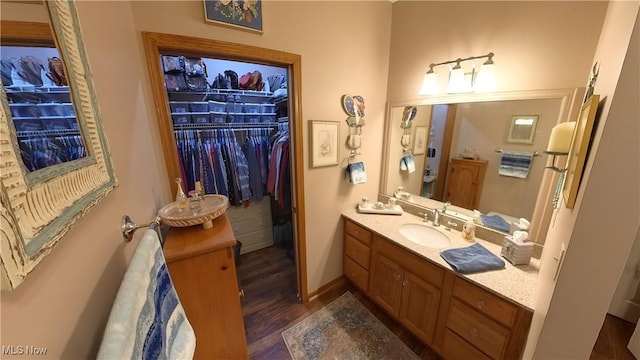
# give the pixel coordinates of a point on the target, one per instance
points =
(495, 222)
(472, 259)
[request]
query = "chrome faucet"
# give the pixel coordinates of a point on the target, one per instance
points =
(444, 208)
(436, 217)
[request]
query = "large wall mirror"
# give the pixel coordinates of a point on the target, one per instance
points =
(476, 127)
(55, 163)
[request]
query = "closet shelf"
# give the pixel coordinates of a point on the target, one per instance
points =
(226, 91)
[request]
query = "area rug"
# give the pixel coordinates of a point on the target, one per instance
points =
(344, 329)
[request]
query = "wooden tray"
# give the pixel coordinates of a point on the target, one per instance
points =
(211, 206)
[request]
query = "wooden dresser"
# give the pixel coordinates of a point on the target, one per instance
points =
(203, 271)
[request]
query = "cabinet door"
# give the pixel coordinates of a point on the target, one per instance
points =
(462, 185)
(386, 283)
(419, 309)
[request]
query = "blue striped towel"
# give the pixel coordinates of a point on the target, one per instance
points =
(515, 164)
(147, 320)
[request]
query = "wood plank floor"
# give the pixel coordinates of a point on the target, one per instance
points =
(270, 305)
(613, 339)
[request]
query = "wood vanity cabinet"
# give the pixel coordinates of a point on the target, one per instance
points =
(202, 267)
(457, 318)
(406, 286)
(357, 254)
(464, 182)
(482, 325)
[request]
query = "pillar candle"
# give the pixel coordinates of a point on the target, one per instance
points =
(560, 139)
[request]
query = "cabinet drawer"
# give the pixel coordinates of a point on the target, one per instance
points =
(357, 251)
(251, 225)
(356, 273)
(454, 347)
(357, 232)
(255, 240)
(485, 302)
(480, 331)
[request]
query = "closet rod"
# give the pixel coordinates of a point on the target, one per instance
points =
(224, 126)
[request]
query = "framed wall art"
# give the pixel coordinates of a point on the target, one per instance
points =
(420, 143)
(246, 15)
(324, 142)
(579, 150)
(522, 129)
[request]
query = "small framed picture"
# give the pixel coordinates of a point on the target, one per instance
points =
(522, 129)
(420, 143)
(246, 15)
(324, 143)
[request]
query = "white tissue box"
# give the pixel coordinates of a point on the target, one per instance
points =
(518, 253)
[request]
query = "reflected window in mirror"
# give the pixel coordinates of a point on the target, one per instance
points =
(40, 104)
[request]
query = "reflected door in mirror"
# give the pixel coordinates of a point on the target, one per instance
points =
(464, 182)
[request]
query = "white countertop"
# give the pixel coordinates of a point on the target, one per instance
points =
(516, 283)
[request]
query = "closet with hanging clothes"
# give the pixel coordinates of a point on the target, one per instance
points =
(231, 141)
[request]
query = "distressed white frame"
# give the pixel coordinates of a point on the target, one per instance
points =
(37, 209)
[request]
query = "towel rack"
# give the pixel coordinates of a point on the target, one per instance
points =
(535, 153)
(129, 227)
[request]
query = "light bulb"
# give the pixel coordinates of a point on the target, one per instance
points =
(486, 78)
(430, 84)
(456, 80)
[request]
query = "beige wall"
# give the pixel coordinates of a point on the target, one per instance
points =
(599, 232)
(345, 49)
(537, 44)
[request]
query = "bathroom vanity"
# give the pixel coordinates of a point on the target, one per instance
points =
(202, 267)
(481, 316)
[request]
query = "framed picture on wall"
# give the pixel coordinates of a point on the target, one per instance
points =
(522, 129)
(420, 144)
(246, 15)
(579, 149)
(324, 143)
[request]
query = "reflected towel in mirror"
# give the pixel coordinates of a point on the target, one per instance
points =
(355, 173)
(495, 222)
(515, 164)
(472, 259)
(407, 164)
(147, 320)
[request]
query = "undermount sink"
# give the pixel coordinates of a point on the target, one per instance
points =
(424, 235)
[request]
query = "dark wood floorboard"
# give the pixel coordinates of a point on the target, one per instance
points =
(613, 339)
(270, 305)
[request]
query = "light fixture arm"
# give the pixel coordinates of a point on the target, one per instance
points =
(489, 57)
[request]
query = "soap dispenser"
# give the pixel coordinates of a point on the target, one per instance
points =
(469, 230)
